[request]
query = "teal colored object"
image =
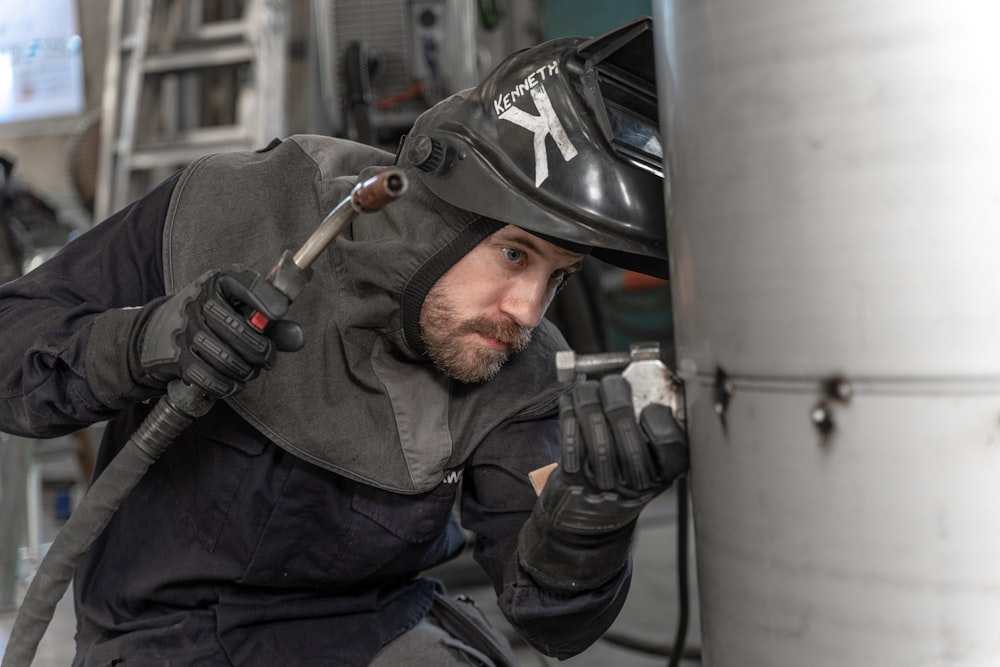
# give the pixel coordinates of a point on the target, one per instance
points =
(587, 18)
(636, 317)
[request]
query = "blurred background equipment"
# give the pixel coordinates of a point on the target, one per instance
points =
(31, 230)
(184, 79)
(30, 233)
(399, 57)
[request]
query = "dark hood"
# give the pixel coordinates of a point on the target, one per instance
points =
(361, 398)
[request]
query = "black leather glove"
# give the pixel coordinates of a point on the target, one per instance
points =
(579, 534)
(202, 335)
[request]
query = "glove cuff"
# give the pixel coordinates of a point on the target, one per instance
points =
(111, 359)
(571, 562)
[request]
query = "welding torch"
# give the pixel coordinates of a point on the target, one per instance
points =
(173, 413)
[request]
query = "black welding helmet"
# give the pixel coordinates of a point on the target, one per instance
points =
(561, 139)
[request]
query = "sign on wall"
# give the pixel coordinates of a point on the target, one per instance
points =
(41, 60)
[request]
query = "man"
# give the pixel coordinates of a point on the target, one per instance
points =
(290, 525)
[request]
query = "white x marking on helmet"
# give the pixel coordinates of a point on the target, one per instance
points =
(545, 124)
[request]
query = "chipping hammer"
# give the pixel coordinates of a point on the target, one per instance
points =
(651, 380)
(172, 414)
(642, 366)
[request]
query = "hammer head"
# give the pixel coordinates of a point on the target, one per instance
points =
(565, 365)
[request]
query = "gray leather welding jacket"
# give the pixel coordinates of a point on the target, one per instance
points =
(361, 399)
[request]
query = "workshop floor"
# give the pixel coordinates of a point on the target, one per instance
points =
(649, 618)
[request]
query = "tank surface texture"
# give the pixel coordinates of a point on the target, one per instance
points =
(834, 226)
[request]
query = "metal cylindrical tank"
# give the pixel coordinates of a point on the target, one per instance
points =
(834, 225)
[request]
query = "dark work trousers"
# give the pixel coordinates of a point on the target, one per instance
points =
(454, 634)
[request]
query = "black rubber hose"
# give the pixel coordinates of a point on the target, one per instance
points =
(682, 571)
(678, 650)
(171, 415)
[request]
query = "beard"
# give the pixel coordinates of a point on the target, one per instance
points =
(444, 336)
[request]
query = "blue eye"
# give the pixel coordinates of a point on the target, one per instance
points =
(513, 254)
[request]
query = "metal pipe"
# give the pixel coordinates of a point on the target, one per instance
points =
(833, 232)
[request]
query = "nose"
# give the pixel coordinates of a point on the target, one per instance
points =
(526, 300)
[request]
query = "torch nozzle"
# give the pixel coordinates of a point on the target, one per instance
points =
(377, 191)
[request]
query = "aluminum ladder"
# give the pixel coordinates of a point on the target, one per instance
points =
(184, 78)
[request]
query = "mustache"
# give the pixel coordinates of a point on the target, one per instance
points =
(511, 334)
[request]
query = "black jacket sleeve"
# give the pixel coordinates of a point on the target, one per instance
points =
(497, 499)
(47, 317)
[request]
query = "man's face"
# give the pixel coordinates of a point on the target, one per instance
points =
(485, 307)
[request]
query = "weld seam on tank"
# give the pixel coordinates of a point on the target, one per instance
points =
(874, 386)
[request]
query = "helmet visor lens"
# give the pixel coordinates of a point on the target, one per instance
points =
(635, 138)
